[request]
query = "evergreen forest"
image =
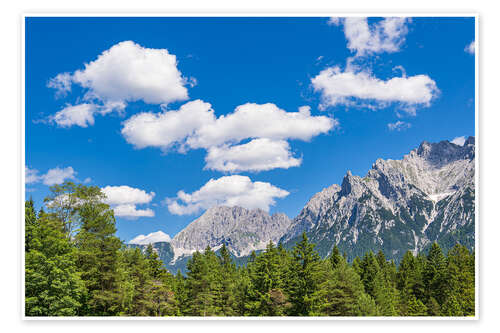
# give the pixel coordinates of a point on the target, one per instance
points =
(75, 265)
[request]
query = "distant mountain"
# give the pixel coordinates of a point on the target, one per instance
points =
(242, 230)
(399, 205)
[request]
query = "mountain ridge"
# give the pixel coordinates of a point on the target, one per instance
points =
(399, 205)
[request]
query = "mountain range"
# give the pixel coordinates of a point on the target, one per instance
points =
(400, 205)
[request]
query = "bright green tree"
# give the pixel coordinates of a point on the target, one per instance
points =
(52, 283)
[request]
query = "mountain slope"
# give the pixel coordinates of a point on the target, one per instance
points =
(399, 205)
(242, 230)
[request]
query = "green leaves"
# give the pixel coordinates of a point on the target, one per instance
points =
(88, 271)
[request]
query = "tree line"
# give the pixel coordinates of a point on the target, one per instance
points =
(76, 266)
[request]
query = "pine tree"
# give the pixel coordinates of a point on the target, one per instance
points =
(181, 293)
(342, 294)
(228, 283)
(415, 307)
(306, 274)
(410, 284)
(98, 252)
(460, 277)
(369, 270)
(266, 272)
(335, 257)
(434, 275)
(385, 294)
(203, 284)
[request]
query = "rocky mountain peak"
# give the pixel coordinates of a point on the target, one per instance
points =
(399, 205)
(445, 152)
(242, 230)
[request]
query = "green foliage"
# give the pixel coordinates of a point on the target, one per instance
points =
(76, 266)
(306, 272)
(53, 286)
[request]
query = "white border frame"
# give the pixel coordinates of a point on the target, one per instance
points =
(231, 13)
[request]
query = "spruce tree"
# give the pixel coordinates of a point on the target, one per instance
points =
(342, 294)
(306, 274)
(460, 277)
(434, 275)
(266, 296)
(98, 253)
(335, 257)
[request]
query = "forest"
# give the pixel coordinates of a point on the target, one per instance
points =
(75, 265)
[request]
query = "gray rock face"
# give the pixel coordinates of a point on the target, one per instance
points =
(242, 230)
(399, 205)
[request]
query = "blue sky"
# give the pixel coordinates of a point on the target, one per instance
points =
(120, 121)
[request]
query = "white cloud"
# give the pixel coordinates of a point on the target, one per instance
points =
(31, 175)
(151, 238)
(131, 211)
(260, 121)
(61, 83)
(123, 199)
(52, 177)
(130, 72)
(460, 140)
(386, 35)
(81, 115)
(348, 87)
(116, 195)
(58, 176)
(334, 20)
(194, 125)
(471, 48)
(227, 191)
(399, 126)
(126, 72)
(167, 128)
(257, 155)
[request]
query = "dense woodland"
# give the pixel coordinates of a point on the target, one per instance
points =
(76, 266)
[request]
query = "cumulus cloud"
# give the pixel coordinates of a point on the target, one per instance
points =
(460, 140)
(126, 72)
(256, 155)
(58, 176)
(167, 128)
(387, 35)
(228, 191)
(471, 48)
(124, 200)
(61, 83)
(117, 195)
(81, 115)
(52, 177)
(260, 121)
(194, 125)
(130, 72)
(31, 175)
(339, 87)
(398, 126)
(131, 211)
(151, 238)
